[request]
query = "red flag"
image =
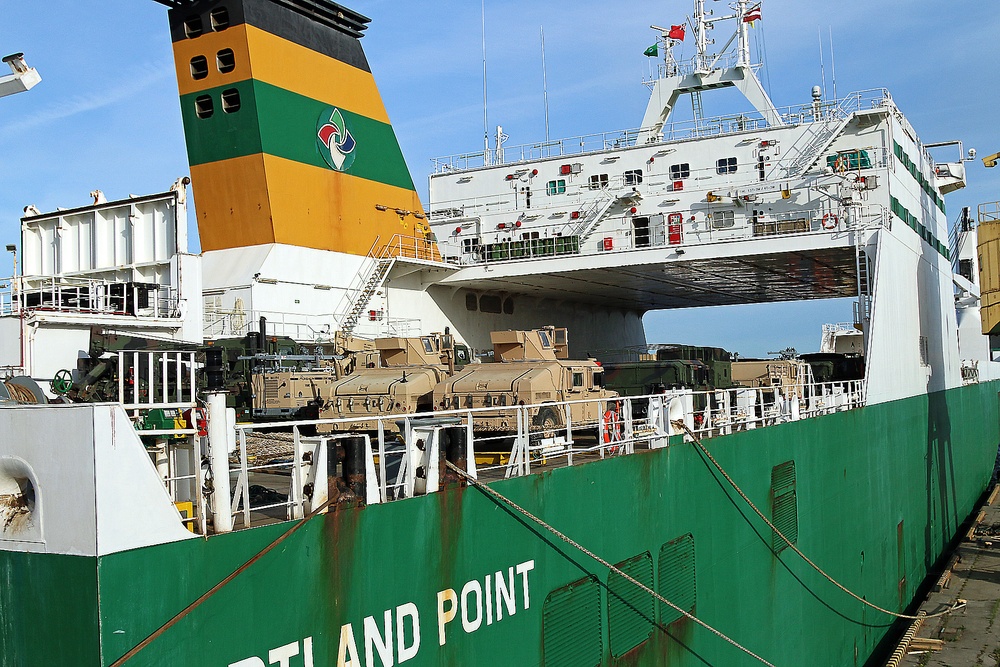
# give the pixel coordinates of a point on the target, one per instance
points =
(676, 32)
(753, 14)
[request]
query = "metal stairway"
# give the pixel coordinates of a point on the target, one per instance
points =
(819, 137)
(372, 282)
(598, 212)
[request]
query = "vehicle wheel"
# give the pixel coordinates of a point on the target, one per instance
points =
(544, 425)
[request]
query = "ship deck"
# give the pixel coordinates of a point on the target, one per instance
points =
(759, 270)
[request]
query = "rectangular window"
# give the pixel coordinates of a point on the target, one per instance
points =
(556, 187)
(723, 219)
(726, 165)
(598, 181)
(598, 381)
(633, 177)
(577, 379)
(679, 171)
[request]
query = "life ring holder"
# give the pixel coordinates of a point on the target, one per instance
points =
(830, 221)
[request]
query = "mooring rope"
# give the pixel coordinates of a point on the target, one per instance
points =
(507, 501)
(219, 586)
(704, 450)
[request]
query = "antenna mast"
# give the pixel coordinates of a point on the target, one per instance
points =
(486, 113)
(545, 86)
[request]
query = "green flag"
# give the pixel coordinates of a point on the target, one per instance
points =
(652, 51)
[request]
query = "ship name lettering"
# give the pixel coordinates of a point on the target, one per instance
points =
(478, 600)
(378, 639)
(282, 656)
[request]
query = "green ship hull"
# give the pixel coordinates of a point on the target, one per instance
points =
(878, 492)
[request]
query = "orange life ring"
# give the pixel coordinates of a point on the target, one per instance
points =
(830, 221)
(612, 426)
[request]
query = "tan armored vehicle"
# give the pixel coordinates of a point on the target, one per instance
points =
(280, 392)
(529, 368)
(404, 384)
(771, 373)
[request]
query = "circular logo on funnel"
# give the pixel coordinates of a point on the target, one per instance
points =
(336, 144)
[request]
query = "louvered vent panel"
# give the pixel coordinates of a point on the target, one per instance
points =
(784, 505)
(630, 609)
(783, 478)
(677, 579)
(571, 626)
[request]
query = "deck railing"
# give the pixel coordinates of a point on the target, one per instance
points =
(398, 453)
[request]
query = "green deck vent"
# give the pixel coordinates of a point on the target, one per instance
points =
(571, 625)
(784, 505)
(630, 608)
(677, 578)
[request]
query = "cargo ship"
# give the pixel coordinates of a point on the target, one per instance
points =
(142, 524)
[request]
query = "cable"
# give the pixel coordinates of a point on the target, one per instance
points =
(697, 441)
(507, 501)
(219, 586)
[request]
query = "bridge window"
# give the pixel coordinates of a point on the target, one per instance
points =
(633, 177)
(471, 302)
(220, 19)
(556, 187)
(679, 171)
(598, 181)
(727, 165)
(204, 107)
(193, 27)
(199, 67)
(508, 306)
(226, 61)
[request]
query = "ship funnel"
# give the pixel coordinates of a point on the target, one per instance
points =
(287, 136)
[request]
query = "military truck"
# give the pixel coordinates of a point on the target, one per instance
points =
(529, 368)
(403, 383)
(772, 373)
(289, 383)
(656, 368)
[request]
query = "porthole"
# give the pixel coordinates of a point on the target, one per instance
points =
(193, 27)
(226, 61)
(231, 100)
(220, 19)
(199, 67)
(204, 107)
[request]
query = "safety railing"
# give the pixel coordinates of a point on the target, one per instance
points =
(150, 380)
(317, 329)
(686, 231)
(676, 131)
(281, 473)
(159, 392)
(87, 297)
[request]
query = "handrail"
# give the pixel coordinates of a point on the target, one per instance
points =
(676, 131)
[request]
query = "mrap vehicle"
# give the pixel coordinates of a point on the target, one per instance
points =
(403, 384)
(529, 368)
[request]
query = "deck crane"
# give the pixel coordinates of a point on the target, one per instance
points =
(22, 78)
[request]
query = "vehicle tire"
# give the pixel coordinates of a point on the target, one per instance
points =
(544, 424)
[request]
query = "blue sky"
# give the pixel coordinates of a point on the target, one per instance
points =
(107, 116)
